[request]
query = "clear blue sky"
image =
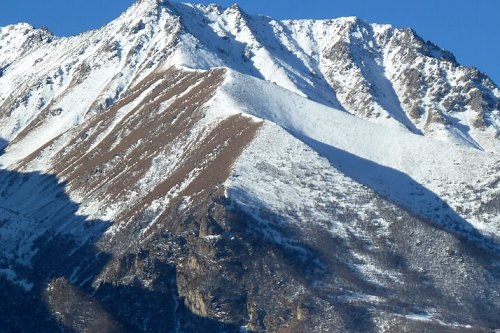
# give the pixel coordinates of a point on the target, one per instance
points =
(470, 29)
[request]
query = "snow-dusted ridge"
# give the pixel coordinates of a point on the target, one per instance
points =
(376, 72)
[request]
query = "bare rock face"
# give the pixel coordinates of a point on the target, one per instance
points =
(191, 168)
(395, 74)
(73, 309)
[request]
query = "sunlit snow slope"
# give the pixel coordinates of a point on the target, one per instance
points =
(239, 173)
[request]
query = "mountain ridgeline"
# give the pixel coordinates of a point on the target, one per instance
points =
(192, 168)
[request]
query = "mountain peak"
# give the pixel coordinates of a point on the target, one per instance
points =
(235, 6)
(153, 2)
(145, 7)
(350, 19)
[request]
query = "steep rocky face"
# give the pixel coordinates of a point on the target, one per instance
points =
(191, 168)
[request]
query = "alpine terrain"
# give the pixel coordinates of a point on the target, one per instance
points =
(192, 168)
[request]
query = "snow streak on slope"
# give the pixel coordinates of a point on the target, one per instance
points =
(434, 180)
(287, 180)
(154, 146)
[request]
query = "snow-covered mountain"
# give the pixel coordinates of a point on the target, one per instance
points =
(191, 168)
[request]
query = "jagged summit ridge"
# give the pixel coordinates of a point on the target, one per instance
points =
(377, 72)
